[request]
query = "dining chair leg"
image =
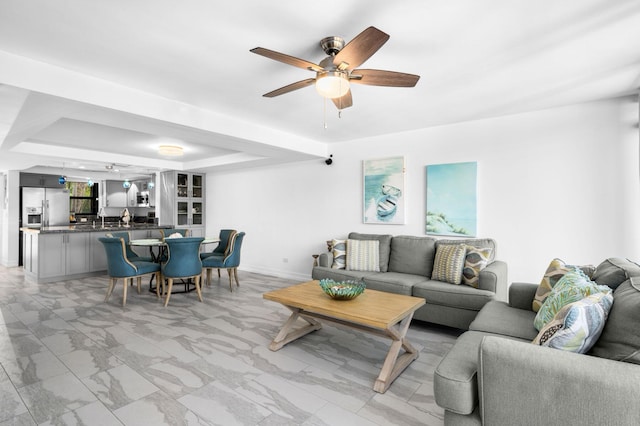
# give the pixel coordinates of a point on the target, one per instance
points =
(235, 275)
(170, 285)
(230, 271)
(197, 281)
(209, 276)
(124, 291)
(218, 272)
(139, 284)
(112, 284)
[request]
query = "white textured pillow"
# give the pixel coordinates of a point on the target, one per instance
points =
(363, 255)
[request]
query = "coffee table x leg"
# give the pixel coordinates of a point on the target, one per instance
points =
(288, 334)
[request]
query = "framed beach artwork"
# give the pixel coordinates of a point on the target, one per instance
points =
(451, 199)
(383, 191)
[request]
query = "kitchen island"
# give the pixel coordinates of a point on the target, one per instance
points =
(58, 253)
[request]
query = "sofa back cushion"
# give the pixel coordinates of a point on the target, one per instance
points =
(614, 271)
(412, 255)
(384, 247)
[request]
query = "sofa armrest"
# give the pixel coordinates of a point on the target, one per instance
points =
(560, 387)
(325, 259)
(494, 278)
(521, 295)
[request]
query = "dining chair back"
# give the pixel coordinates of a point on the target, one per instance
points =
(119, 266)
(223, 245)
(229, 261)
(131, 255)
(183, 261)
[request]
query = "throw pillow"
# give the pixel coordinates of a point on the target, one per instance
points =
(620, 339)
(475, 261)
(448, 263)
(556, 270)
(573, 286)
(363, 255)
(577, 326)
(614, 271)
(339, 251)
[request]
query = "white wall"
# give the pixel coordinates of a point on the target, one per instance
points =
(561, 183)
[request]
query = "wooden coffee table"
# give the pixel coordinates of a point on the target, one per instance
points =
(375, 312)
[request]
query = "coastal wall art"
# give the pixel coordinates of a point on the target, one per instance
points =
(451, 199)
(383, 191)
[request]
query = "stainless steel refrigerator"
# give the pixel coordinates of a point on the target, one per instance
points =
(45, 207)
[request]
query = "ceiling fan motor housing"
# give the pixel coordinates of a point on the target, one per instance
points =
(332, 45)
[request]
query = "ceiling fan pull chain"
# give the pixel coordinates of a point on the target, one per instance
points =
(324, 112)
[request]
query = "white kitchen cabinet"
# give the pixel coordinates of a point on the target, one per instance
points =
(63, 254)
(182, 201)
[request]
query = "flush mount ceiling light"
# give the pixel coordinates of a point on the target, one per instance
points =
(170, 150)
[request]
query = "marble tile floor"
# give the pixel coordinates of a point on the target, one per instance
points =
(69, 358)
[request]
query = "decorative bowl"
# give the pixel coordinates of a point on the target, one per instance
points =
(342, 290)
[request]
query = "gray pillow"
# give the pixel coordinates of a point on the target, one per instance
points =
(385, 246)
(620, 339)
(412, 255)
(614, 271)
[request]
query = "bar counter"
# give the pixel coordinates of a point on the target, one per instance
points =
(84, 227)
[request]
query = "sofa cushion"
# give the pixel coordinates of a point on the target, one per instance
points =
(556, 270)
(320, 272)
(475, 242)
(363, 255)
(412, 255)
(393, 282)
(620, 338)
(463, 297)
(339, 251)
(577, 326)
(385, 246)
(614, 271)
(455, 381)
(475, 260)
(500, 318)
(448, 263)
(573, 286)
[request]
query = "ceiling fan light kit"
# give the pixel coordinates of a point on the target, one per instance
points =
(332, 84)
(335, 72)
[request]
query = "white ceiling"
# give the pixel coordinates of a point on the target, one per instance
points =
(97, 82)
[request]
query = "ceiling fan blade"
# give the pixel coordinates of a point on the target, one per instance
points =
(383, 78)
(290, 60)
(290, 88)
(361, 48)
(343, 102)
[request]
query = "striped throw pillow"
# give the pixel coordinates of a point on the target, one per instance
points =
(449, 263)
(363, 255)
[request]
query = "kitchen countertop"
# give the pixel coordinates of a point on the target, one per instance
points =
(88, 227)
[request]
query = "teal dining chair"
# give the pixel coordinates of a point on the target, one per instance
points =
(119, 266)
(131, 255)
(221, 248)
(183, 262)
(229, 261)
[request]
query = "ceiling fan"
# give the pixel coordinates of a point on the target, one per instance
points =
(335, 72)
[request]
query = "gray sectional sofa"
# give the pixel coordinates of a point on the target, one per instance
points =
(406, 264)
(494, 375)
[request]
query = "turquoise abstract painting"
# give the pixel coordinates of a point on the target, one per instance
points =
(451, 199)
(383, 195)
